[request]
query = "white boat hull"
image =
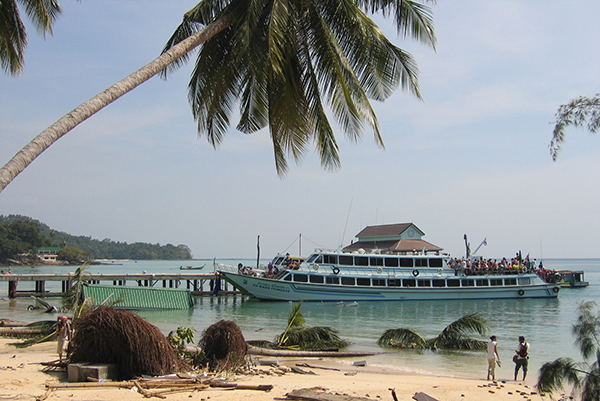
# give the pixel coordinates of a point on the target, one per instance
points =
(279, 290)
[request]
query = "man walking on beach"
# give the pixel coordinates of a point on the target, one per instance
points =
(521, 359)
(492, 357)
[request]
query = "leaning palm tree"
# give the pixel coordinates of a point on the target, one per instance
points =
(280, 59)
(583, 377)
(13, 35)
(454, 336)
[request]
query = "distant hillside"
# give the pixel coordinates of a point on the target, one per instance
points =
(98, 249)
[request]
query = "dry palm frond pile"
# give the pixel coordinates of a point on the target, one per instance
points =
(109, 335)
(224, 346)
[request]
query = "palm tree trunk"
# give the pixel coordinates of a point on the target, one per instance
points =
(87, 109)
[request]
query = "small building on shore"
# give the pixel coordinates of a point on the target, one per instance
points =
(403, 238)
(48, 254)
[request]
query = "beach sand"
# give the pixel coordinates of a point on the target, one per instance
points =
(22, 378)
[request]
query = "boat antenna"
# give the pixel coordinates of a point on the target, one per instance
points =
(346, 225)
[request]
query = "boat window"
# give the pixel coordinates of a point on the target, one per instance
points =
(333, 259)
(361, 261)
(394, 282)
(391, 262)
(317, 279)
(332, 280)
(302, 278)
(482, 282)
(363, 281)
(407, 262)
(524, 281)
(376, 261)
(424, 283)
(468, 283)
(436, 262)
(496, 281)
(439, 283)
(510, 281)
(288, 278)
(453, 283)
(277, 260)
(346, 260)
(411, 282)
(378, 282)
(317, 259)
(420, 262)
(348, 281)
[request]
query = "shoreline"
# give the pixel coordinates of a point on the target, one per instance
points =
(23, 378)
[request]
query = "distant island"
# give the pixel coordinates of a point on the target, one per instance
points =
(24, 240)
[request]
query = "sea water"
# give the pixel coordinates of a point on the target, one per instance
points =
(545, 323)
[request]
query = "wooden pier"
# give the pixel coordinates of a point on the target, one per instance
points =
(25, 285)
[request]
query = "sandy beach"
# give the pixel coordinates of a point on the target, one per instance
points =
(22, 378)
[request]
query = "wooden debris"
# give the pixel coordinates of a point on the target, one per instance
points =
(252, 350)
(320, 394)
(302, 371)
(421, 396)
(306, 365)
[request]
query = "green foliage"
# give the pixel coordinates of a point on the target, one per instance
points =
(20, 237)
(20, 234)
(180, 339)
(583, 376)
(298, 335)
(73, 255)
(72, 297)
(454, 336)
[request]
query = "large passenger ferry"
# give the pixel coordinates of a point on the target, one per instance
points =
(375, 276)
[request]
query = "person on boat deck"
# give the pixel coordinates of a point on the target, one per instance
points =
(287, 260)
(270, 273)
(492, 357)
(521, 359)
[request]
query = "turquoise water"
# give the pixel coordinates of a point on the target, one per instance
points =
(546, 323)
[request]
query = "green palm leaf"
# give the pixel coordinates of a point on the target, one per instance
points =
(456, 333)
(401, 338)
(584, 378)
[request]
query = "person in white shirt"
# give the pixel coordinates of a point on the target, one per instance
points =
(492, 357)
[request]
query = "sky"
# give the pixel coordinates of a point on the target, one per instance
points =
(471, 158)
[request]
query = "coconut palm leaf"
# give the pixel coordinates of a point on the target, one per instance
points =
(295, 319)
(313, 338)
(401, 338)
(583, 377)
(455, 335)
(72, 297)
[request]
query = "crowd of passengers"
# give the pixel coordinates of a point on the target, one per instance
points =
(492, 266)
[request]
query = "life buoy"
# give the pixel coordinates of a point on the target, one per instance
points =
(336, 270)
(555, 289)
(379, 270)
(440, 271)
(415, 272)
(521, 292)
(316, 266)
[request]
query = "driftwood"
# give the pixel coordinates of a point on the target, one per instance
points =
(10, 331)
(252, 350)
(306, 365)
(320, 394)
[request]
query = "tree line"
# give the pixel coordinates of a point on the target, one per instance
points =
(21, 236)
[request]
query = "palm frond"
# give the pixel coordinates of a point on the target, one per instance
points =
(587, 330)
(313, 338)
(73, 295)
(295, 319)
(554, 374)
(461, 328)
(401, 338)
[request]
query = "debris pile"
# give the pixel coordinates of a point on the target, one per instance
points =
(109, 335)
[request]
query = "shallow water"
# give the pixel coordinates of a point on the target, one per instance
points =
(546, 323)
